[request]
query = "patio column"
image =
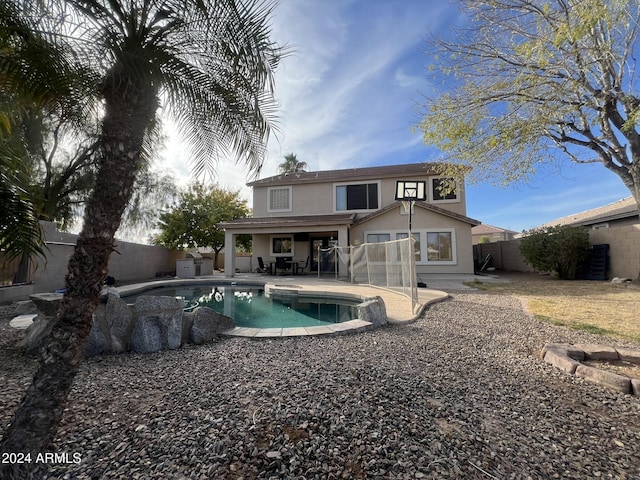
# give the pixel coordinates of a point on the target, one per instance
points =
(343, 241)
(229, 254)
(343, 236)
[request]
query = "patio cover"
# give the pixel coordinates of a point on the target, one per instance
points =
(339, 223)
(289, 224)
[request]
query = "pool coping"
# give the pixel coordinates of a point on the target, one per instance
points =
(396, 304)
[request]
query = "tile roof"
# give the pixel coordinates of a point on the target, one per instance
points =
(624, 208)
(412, 169)
(485, 229)
(292, 220)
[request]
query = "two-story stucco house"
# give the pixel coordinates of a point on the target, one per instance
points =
(296, 213)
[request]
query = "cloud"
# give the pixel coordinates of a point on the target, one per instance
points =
(342, 101)
(348, 90)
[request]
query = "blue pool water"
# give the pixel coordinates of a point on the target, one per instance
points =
(249, 307)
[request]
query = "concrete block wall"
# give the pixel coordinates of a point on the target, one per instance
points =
(130, 262)
(624, 251)
(504, 255)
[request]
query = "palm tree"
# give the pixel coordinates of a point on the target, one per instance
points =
(211, 63)
(20, 232)
(291, 164)
(44, 83)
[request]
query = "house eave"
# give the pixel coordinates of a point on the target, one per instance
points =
(288, 222)
(427, 206)
(351, 174)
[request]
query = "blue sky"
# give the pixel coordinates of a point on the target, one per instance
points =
(348, 96)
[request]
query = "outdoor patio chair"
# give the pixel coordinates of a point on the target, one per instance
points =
(303, 266)
(261, 266)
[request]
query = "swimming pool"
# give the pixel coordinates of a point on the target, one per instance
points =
(251, 307)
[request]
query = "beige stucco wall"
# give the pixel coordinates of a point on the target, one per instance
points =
(318, 198)
(504, 255)
(262, 248)
(395, 222)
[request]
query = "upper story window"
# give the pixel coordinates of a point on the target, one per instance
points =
(357, 196)
(440, 190)
(279, 199)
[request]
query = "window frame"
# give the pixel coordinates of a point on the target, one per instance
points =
(425, 246)
(421, 238)
(289, 188)
(433, 190)
(378, 184)
(272, 251)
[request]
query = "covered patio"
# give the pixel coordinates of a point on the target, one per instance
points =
(289, 243)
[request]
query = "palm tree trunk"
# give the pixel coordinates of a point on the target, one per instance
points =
(128, 114)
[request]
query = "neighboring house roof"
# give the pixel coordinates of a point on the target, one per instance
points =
(624, 208)
(347, 174)
(485, 229)
(424, 205)
(293, 220)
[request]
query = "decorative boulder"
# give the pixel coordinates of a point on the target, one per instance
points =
(47, 305)
(203, 325)
(112, 326)
(25, 307)
(154, 323)
(373, 310)
(120, 317)
(157, 324)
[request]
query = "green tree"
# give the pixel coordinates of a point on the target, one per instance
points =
(49, 82)
(528, 79)
(192, 222)
(211, 64)
(557, 249)
(63, 170)
(291, 164)
(55, 172)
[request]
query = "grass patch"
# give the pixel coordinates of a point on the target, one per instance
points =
(552, 321)
(597, 307)
(477, 285)
(592, 329)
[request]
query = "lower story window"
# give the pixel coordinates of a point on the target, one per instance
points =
(431, 247)
(416, 245)
(439, 247)
(378, 237)
(282, 246)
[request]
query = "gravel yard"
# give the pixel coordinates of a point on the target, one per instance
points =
(461, 393)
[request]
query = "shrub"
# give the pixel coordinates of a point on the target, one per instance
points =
(557, 249)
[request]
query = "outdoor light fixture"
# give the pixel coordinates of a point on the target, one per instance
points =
(409, 192)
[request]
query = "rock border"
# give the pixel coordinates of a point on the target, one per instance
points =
(568, 357)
